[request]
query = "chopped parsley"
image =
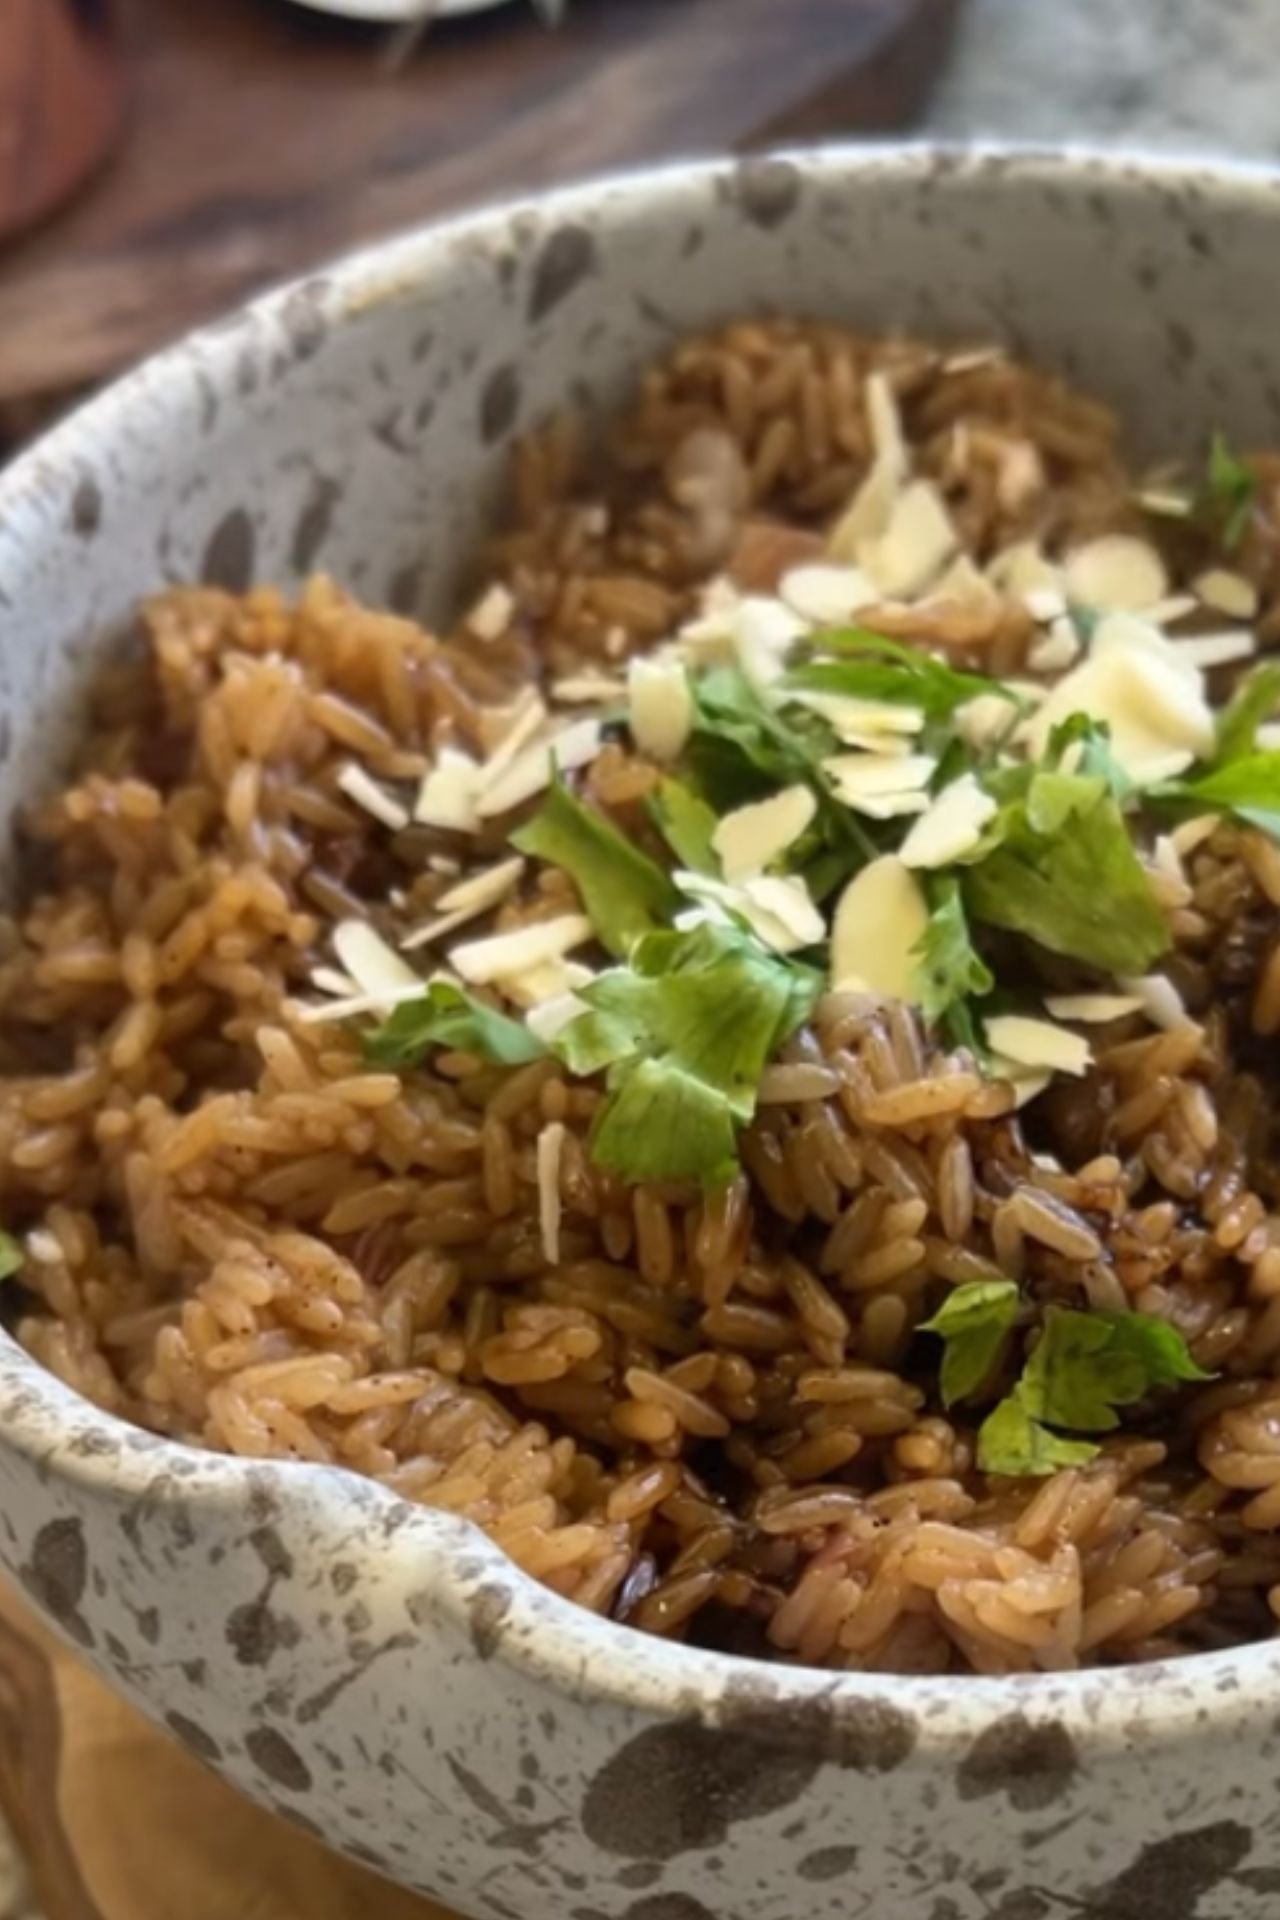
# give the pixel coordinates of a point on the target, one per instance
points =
(12, 1258)
(1058, 866)
(448, 1016)
(685, 1031)
(624, 892)
(1227, 493)
(1084, 1368)
(687, 824)
(1254, 701)
(951, 968)
(872, 667)
(1248, 787)
(974, 1321)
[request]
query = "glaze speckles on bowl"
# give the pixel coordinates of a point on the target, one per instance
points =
(379, 1673)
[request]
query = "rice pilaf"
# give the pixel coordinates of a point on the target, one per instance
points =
(747, 1067)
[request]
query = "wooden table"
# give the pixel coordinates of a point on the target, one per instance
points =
(120, 1823)
(265, 138)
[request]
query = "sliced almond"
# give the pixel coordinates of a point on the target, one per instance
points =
(360, 1004)
(751, 838)
(551, 980)
(471, 897)
(915, 546)
(1028, 1084)
(1093, 1009)
(952, 827)
(1150, 696)
(532, 769)
(1046, 604)
(986, 721)
(372, 798)
(825, 595)
(1227, 591)
(493, 613)
(372, 964)
(505, 955)
(857, 720)
(1038, 1044)
(550, 1151)
(868, 514)
(778, 911)
(448, 795)
(1208, 650)
(879, 922)
(1161, 1001)
(1022, 569)
(1173, 608)
(661, 706)
(330, 980)
(764, 633)
(859, 777)
(1117, 572)
(505, 731)
(1165, 503)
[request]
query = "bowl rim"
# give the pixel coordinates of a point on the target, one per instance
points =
(577, 1653)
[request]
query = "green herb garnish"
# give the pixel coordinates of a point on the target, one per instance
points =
(12, 1257)
(871, 667)
(1248, 787)
(1058, 866)
(1227, 494)
(975, 1321)
(1084, 1367)
(1254, 701)
(624, 892)
(685, 1031)
(951, 968)
(687, 824)
(447, 1016)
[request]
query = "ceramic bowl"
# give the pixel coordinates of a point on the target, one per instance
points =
(379, 1673)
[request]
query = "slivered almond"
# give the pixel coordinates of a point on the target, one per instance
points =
(1161, 1001)
(531, 770)
(764, 633)
(1022, 569)
(505, 955)
(828, 595)
(465, 901)
(1038, 1044)
(1227, 592)
(881, 917)
(1093, 1009)
(779, 911)
(952, 827)
(447, 797)
(372, 798)
(372, 964)
(1209, 650)
(750, 838)
(549, 1154)
(854, 720)
(1148, 693)
(1056, 650)
(360, 1003)
(915, 545)
(660, 706)
(1116, 572)
(865, 781)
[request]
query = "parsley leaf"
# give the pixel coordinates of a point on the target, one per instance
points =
(974, 1320)
(12, 1257)
(1226, 497)
(872, 667)
(741, 750)
(1248, 787)
(1011, 1442)
(1255, 699)
(624, 892)
(447, 1016)
(1088, 741)
(1058, 867)
(685, 1030)
(951, 968)
(687, 824)
(1084, 1368)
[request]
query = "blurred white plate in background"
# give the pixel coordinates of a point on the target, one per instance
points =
(395, 10)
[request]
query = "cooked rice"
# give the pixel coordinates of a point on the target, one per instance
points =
(703, 1414)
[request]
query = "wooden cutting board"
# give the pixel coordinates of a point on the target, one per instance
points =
(119, 1823)
(265, 137)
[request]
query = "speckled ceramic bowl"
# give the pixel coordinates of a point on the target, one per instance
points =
(379, 1673)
